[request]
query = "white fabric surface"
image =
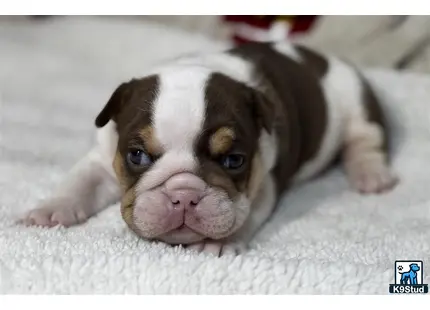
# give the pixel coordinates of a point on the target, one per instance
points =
(325, 239)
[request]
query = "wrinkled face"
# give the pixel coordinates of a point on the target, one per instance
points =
(188, 156)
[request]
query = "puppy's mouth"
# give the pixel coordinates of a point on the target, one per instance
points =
(182, 228)
(183, 234)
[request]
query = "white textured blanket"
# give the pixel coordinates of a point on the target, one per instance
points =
(54, 78)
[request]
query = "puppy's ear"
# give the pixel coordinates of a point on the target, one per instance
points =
(115, 104)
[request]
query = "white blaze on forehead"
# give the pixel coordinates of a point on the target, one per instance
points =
(226, 63)
(179, 110)
(231, 65)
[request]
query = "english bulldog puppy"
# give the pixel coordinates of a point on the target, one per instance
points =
(200, 150)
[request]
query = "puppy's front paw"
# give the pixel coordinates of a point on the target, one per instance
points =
(56, 212)
(219, 248)
(371, 176)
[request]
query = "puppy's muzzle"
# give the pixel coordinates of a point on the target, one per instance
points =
(183, 209)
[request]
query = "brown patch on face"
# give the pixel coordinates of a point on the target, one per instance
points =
(118, 167)
(152, 145)
(221, 141)
(256, 177)
(222, 181)
(127, 203)
(128, 198)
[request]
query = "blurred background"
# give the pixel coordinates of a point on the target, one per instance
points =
(397, 42)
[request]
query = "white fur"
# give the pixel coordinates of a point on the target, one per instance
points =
(279, 31)
(180, 103)
(344, 89)
(228, 64)
(88, 188)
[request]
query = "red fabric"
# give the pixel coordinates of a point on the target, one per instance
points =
(298, 24)
(256, 21)
(303, 23)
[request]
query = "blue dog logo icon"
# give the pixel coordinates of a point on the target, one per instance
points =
(409, 277)
(408, 281)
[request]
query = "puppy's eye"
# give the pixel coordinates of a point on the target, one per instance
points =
(233, 161)
(138, 158)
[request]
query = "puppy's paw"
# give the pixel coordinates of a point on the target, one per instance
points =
(55, 212)
(219, 248)
(370, 176)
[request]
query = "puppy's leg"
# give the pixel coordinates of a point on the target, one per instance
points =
(262, 209)
(363, 144)
(88, 188)
(365, 156)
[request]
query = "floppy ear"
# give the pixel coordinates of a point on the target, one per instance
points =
(114, 105)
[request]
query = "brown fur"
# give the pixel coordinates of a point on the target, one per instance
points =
(127, 204)
(314, 62)
(118, 167)
(221, 141)
(152, 145)
(221, 181)
(299, 104)
(128, 198)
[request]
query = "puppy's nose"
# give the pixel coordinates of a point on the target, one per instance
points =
(185, 190)
(184, 198)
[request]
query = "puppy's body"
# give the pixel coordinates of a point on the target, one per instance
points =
(201, 149)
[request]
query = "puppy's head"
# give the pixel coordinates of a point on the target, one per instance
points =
(188, 157)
